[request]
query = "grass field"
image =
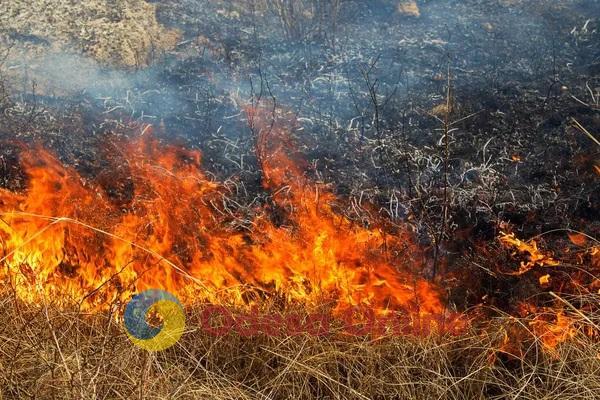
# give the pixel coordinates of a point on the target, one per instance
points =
(49, 354)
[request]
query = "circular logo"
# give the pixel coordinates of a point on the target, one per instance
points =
(154, 304)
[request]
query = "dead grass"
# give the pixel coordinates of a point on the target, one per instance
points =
(50, 353)
(125, 33)
(409, 8)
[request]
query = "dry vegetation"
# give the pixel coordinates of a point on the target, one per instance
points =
(125, 33)
(46, 353)
(49, 351)
(409, 8)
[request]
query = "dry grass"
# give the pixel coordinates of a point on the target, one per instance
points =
(125, 33)
(409, 8)
(49, 353)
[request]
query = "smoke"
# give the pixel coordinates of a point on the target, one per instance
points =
(75, 74)
(327, 75)
(58, 77)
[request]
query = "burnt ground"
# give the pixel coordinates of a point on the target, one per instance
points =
(365, 83)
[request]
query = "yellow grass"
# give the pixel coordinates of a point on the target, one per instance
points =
(52, 353)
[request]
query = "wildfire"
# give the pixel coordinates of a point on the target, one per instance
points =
(551, 323)
(153, 219)
(554, 330)
(530, 249)
(162, 225)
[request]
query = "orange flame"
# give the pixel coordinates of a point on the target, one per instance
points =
(554, 330)
(530, 249)
(66, 236)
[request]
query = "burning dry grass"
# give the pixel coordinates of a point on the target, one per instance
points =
(66, 235)
(48, 353)
(53, 349)
(547, 348)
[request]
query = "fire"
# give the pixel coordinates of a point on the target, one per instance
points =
(530, 249)
(563, 318)
(544, 280)
(163, 225)
(578, 239)
(549, 326)
(553, 328)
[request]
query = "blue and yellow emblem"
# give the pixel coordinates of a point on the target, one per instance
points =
(161, 304)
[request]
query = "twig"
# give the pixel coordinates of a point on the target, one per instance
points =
(585, 131)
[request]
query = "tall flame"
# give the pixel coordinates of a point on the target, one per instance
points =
(68, 236)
